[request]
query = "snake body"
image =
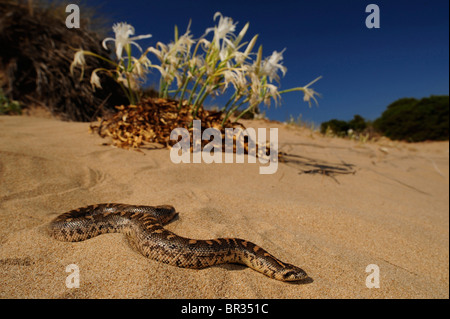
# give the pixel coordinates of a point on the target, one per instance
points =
(144, 227)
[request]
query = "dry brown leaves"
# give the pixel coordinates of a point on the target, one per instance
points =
(152, 121)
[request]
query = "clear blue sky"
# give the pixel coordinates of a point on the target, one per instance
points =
(363, 70)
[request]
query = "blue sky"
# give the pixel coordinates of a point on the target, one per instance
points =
(363, 70)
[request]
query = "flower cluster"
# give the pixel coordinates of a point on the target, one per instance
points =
(193, 69)
(127, 70)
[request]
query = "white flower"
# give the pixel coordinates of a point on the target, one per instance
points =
(128, 80)
(223, 32)
(170, 62)
(255, 90)
(205, 44)
(225, 27)
(236, 77)
(95, 80)
(184, 43)
(272, 92)
(196, 62)
(309, 93)
(141, 66)
(78, 59)
(271, 65)
(123, 31)
(174, 56)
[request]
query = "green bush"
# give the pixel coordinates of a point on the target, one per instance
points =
(415, 120)
(341, 128)
(358, 124)
(338, 127)
(7, 106)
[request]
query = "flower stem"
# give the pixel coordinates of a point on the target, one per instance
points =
(183, 92)
(195, 87)
(292, 90)
(195, 106)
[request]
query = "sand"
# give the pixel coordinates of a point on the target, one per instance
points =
(392, 212)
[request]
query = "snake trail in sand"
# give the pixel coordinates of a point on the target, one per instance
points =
(144, 227)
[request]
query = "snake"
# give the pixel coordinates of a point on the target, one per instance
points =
(144, 227)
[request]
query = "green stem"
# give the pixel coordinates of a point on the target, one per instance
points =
(166, 91)
(128, 50)
(183, 92)
(243, 112)
(233, 109)
(240, 115)
(161, 86)
(195, 87)
(101, 58)
(233, 105)
(184, 80)
(131, 93)
(205, 95)
(229, 101)
(291, 90)
(195, 106)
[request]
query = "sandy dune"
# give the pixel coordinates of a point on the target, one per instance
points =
(392, 212)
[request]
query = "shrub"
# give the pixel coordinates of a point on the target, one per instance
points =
(7, 106)
(340, 128)
(415, 120)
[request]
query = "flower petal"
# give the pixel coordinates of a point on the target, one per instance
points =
(106, 40)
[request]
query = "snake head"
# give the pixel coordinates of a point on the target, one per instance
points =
(292, 273)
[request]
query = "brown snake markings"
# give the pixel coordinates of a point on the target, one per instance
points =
(144, 227)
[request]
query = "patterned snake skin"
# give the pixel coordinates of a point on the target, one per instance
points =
(144, 227)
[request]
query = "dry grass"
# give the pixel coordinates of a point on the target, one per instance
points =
(36, 50)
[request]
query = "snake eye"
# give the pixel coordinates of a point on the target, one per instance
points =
(295, 274)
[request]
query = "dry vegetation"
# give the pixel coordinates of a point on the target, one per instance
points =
(152, 121)
(36, 50)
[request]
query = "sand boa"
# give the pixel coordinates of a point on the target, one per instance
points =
(144, 227)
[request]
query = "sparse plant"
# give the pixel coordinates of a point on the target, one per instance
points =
(192, 70)
(300, 122)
